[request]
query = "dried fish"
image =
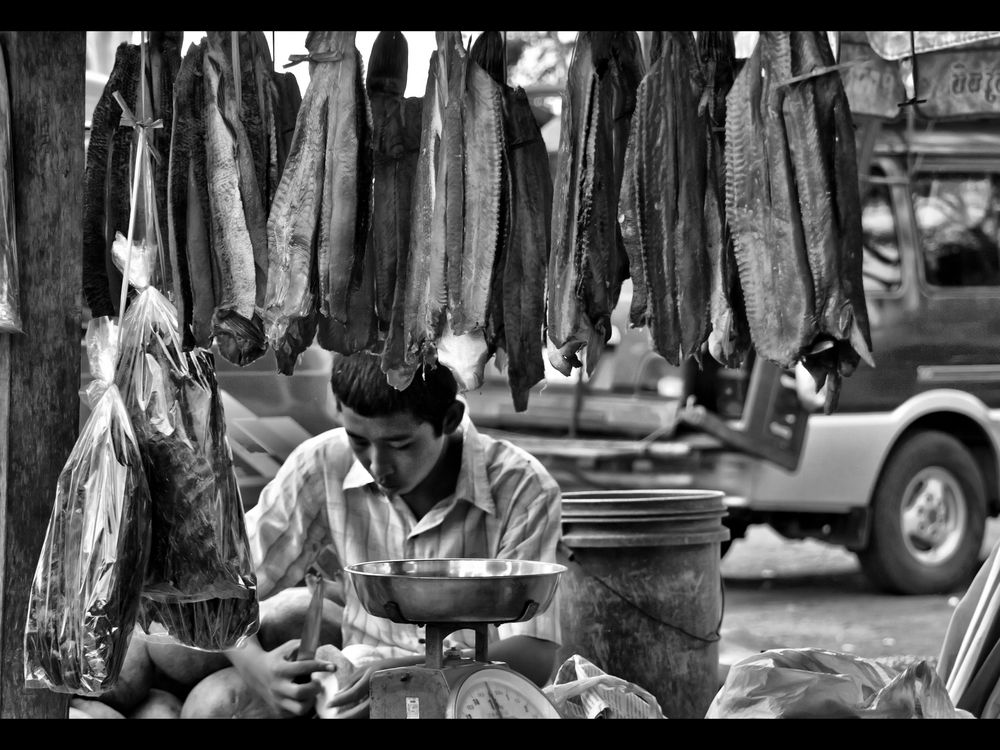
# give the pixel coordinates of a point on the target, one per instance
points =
(792, 202)
(527, 251)
(589, 260)
(237, 329)
(426, 293)
(294, 218)
(662, 202)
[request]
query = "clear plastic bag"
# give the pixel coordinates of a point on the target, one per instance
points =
(812, 683)
(86, 590)
(200, 583)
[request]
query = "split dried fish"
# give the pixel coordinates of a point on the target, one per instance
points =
(232, 190)
(793, 204)
(662, 203)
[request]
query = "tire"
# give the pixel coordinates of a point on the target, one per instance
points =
(928, 517)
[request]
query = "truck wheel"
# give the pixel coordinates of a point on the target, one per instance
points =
(928, 517)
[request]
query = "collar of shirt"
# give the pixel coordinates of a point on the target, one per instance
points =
(473, 483)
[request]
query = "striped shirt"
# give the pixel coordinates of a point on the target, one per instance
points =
(505, 505)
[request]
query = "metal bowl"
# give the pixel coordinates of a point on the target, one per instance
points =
(455, 590)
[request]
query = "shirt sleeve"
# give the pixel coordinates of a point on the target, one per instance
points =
(532, 531)
(287, 528)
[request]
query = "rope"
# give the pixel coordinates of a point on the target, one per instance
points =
(711, 638)
(314, 57)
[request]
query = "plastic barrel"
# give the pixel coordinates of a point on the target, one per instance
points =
(642, 597)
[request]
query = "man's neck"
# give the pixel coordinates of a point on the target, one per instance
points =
(442, 479)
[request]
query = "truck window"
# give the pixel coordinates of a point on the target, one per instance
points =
(957, 220)
(880, 261)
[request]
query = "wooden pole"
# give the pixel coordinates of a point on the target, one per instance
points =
(39, 369)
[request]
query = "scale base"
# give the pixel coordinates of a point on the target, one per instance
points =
(418, 692)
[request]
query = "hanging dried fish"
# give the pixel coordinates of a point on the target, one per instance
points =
(729, 338)
(662, 202)
(588, 261)
(476, 166)
(349, 323)
(394, 349)
(568, 327)
(187, 206)
(426, 293)
(110, 165)
(293, 221)
(390, 228)
(237, 219)
(527, 248)
(793, 204)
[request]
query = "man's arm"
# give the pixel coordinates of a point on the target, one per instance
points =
(535, 658)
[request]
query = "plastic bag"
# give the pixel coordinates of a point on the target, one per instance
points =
(86, 590)
(200, 582)
(582, 690)
(10, 317)
(809, 683)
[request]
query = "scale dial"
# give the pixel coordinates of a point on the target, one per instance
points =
(498, 693)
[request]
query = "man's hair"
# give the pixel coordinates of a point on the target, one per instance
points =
(359, 383)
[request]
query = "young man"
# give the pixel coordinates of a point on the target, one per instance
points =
(406, 476)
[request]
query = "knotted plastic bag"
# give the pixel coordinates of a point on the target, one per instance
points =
(581, 690)
(86, 590)
(812, 683)
(200, 588)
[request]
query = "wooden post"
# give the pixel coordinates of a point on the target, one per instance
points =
(39, 369)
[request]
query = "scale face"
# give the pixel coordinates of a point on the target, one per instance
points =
(460, 689)
(497, 692)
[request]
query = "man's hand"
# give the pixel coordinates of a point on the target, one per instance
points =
(354, 699)
(273, 677)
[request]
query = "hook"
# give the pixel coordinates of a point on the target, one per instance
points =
(913, 51)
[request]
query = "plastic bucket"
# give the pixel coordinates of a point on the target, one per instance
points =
(642, 596)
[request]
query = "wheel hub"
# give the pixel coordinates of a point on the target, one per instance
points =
(933, 515)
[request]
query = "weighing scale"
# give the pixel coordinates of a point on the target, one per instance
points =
(445, 595)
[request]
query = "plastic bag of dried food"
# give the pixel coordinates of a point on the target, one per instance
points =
(200, 582)
(87, 586)
(812, 683)
(10, 318)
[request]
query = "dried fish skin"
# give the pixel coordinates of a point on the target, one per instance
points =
(729, 339)
(340, 242)
(528, 247)
(450, 199)
(394, 349)
(662, 199)
(230, 237)
(822, 145)
(426, 294)
(294, 218)
(390, 228)
(693, 265)
(762, 210)
(179, 180)
(483, 184)
(567, 329)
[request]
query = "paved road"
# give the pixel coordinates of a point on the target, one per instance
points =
(784, 593)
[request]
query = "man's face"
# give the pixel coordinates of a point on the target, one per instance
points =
(399, 450)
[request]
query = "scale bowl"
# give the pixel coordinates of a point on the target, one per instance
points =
(455, 590)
